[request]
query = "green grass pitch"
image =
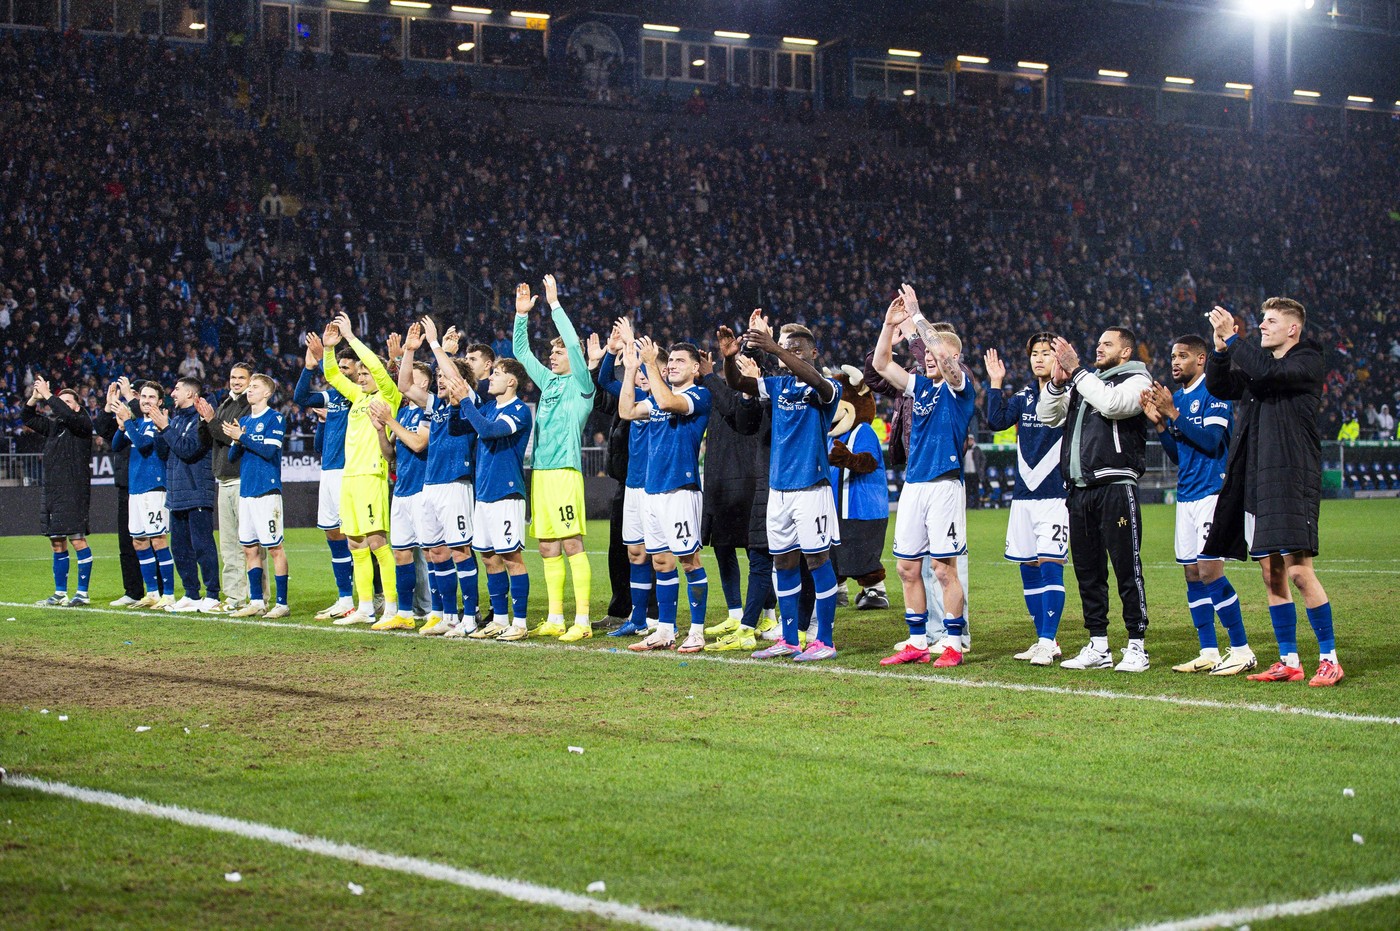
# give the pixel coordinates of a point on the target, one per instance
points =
(758, 796)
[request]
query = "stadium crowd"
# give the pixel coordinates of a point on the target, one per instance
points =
(157, 221)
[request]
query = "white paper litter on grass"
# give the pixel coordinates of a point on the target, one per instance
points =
(575, 749)
(43, 711)
(9, 619)
(598, 886)
(187, 730)
(1349, 793)
(142, 729)
(1358, 838)
(355, 889)
(234, 877)
(63, 717)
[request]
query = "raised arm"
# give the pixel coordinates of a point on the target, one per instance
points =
(415, 440)
(729, 347)
(578, 361)
(489, 428)
(520, 337)
(662, 397)
(893, 374)
(804, 371)
(1301, 371)
(302, 395)
(331, 338)
(382, 379)
(628, 407)
(411, 344)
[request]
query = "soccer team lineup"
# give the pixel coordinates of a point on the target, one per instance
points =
(423, 470)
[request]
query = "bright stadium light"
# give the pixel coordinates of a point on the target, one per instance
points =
(1110, 73)
(726, 34)
(411, 4)
(1267, 9)
(1298, 93)
(1357, 98)
(657, 27)
(476, 10)
(793, 40)
(698, 63)
(908, 92)
(974, 60)
(905, 53)
(1175, 80)
(466, 46)
(1237, 86)
(525, 14)
(1033, 65)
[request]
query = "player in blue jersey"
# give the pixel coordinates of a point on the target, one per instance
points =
(337, 410)
(641, 574)
(149, 521)
(445, 517)
(676, 414)
(932, 516)
(801, 515)
(1037, 534)
(1194, 428)
(502, 429)
(404, 439)
(259, 433)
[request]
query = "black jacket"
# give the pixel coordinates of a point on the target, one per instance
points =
(730, 463)
(749, 417)
(1105, 428)
(67, 446)
(230, 408)
(1275, 467)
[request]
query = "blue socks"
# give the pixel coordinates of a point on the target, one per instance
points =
(84, 569)
(498, 593)
(698, 585)
(1285, 620)
(166, 561)
(640, 574)
(466, 578)
(60, 573)
(1321, 620)
(955, 625)
(1033, 588)
(255, 585)
(668, 595)
(918, 623)
(281, 581)
(824, 580)
(1202, 609)
(342, 567)
(405, 580)
(1052, 598)
(1227, 607)
(787, 585)
(444, 578)
(147, 559)
(520, 597)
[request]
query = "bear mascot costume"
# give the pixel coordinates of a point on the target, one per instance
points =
(862, 495)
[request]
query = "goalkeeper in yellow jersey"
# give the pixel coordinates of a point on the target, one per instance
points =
(364, 491)
(556, 479)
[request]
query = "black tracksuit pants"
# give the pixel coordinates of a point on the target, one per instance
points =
(133, 585)
(1105, 524)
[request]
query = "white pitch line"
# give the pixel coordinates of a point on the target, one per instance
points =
(1243, 916)
(808, 668)
(516, 889)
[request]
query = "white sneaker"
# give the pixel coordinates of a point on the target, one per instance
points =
(435, 628)
(251, 609)
(354, 617)
(149, 600)
(341, 608)
(166, 603)
(460, 630)
(185, 605)
(277, 611)
(1027, 653)
(210, 606)
(1134, 659)
(1235, 661)
(1089, 658)
(1043, 655)
(125, 601)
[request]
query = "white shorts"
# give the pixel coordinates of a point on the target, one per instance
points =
(499, 526)
(403, 521)
(803, 519)
(1193, 520)
(931, 521)
(260, 520)
(633, 521)
(147, 515)
(1038, 529)
(446, 516)
(672, 521)
(328, 503)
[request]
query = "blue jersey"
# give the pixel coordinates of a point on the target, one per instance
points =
(1198, 441)
(449, 454)
(261, 471)
(409, 467)
(638, 433)
(145, 470)
(502, 432)
(800, 424)
(865, 496)
(337, 417)
(1038, 475)
(938, 427)
(673, 460)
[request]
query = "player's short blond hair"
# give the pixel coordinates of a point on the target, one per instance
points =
(1288, 308)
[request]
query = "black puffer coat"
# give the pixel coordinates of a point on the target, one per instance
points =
(1275, 467)
(730, 467)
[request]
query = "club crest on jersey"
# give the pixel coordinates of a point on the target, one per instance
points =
(1195, 405)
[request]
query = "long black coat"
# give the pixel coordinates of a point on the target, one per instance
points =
(1275, 467)
(730, 471)
(67, 490)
